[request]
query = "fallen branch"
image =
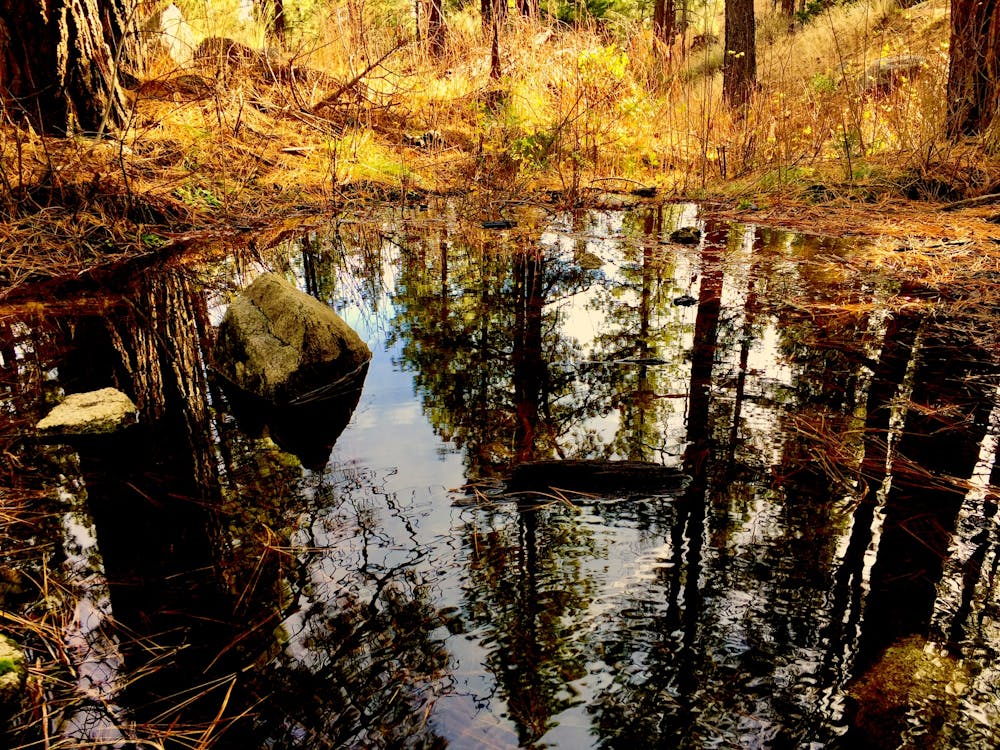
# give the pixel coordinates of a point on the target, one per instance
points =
(327, 101)
(970, 201)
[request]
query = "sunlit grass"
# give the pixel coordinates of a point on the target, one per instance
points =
(340, 113)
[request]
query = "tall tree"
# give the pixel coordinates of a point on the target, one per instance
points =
(492, 12)
(528, 8)
(60, 69)
(273, 14)
(739, 65)
(974, 70)
(664, 15)
(435, 27)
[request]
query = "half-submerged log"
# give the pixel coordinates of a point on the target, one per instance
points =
(597, 477)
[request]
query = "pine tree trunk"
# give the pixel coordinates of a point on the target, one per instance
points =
(435, 28)
(60, 62)
(277, 26)
(739, 70)
(663, 20)
(974, 71)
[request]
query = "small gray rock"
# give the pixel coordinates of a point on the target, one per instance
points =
(98, 412)
(428, 139)
(885, 74)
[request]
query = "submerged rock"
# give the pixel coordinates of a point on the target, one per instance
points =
(308, 432)
(279, 344)
(686, 236)
(13, 586)
(98, 412)
(13, 672)
(588, 261)
(914, 680)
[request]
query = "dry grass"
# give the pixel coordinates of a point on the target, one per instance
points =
(333, 122)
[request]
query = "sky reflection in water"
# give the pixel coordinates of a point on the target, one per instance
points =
(416, 612)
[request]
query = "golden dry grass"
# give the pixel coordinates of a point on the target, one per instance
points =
(333, 123)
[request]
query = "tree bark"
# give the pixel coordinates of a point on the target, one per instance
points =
(276, 24)
(492, 12)
(435, 28)
(683, 15)
(739, 68)
(60, 69)
(974, 69)
(663, 20)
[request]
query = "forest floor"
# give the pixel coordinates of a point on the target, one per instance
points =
(241, 148)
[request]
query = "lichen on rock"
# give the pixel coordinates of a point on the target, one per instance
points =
(97, 412)
(13, 671)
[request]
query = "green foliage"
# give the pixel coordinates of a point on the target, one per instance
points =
(302, 18)
(602, 66)
(821, 83)
(532, 149)
(705, 63)
(811, 9)
(197, 196)
(573, 13)
(385, 165)
(151, 241)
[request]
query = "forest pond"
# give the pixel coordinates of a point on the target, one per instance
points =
(824, 575)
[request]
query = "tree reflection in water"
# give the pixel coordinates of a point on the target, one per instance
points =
(841, 458)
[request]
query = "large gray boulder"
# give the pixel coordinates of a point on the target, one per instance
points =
(286, 347)
(887, 73)
(98, 412)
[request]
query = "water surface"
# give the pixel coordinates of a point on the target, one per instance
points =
(249, 584)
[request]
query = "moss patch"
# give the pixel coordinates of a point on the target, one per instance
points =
(12, 671)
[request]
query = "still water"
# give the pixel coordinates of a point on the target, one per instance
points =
(825, 576)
